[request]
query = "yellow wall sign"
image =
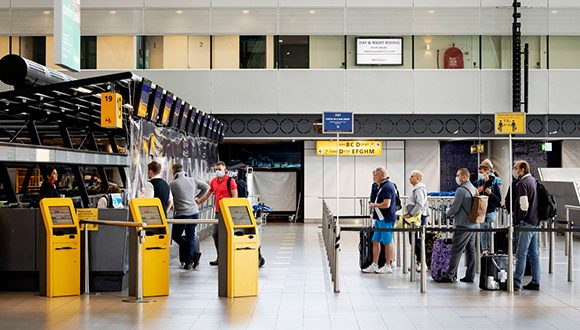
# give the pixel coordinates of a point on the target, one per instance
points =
(510, 123)
(111, 110)
(350, 148)
(88, 214)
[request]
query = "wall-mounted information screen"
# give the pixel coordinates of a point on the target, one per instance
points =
(156, 104)
(167, 108)
(150, 215)
(240, 216)
(185, 116)
(176, 113)
(143, 98)
(61, 215)
(379, 51)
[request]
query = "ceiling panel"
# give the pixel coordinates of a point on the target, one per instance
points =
(239, 21)
(565, 21)
(108, 22)
(447, 21)
(379, 21)
(111, 4)
(312, 21)
(31, 22)
(171, 21)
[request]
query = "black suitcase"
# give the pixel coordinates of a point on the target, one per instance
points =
(500, 242)
(496, 266)
(365, 248)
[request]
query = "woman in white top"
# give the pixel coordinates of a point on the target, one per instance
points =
(417, 202)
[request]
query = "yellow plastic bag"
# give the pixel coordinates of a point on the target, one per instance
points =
(412, 220)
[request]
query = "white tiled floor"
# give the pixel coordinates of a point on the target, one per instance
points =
(296, 293)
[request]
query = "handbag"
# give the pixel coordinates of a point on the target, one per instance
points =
(416, 220)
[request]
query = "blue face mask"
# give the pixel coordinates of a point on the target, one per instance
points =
(480, 177)
(219, 173)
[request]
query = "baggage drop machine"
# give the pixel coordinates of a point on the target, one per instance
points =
(60, 249)
(154, 249)
(238, 249)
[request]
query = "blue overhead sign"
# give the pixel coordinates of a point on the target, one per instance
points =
(337, 122)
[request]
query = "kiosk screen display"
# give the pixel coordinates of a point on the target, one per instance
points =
(150, 215)
(240, 216)
(116, 200)
(143, 104)
(61, 215)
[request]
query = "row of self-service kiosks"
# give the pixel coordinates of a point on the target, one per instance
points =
(60, 257)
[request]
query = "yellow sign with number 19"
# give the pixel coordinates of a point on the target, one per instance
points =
(111, 110)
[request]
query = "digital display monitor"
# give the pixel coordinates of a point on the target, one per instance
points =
(176, 114)
(192, 118)
(240, 216)
(197, 122)
(61, 215)
(156, 104)
(116, 200)
(167, 108)
(206, 127)
(184, 117)
(150, 215)
(142, 97)
(379, 51)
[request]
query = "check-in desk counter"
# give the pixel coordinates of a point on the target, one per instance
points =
(109, 253)
(20, 230)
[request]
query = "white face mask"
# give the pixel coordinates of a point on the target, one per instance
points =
(515, 174)
(458, 181)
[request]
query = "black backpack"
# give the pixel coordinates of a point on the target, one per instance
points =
(242, 187)
(547, 207)
(399, 205)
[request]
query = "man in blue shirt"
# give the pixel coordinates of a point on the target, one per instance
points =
(384, 206)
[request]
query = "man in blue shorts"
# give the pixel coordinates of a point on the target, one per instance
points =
(383, 204)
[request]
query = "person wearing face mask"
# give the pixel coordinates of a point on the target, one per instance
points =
(525, 215)
(219, 187)
(462, 241)
(487, 184)
(48, 187)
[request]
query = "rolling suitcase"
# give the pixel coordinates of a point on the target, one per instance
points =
(365, 248)
(430, 240)
(493, 275)
(500, 242)
(440, 258)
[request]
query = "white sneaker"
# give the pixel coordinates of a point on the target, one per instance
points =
(385, 270)
(373, 268)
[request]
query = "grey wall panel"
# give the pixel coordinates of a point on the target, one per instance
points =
(570, 154)
(111, 4)
(31, 22)
(538, 92)
(447, 21)
(177, 4)
(311, 3)
(232, 92)
(534, 21)
(496, 21)
(564, 3)
(379, 3)
(309, 21)
(379, 21)
(311, 91)
(32, 3)
(423, 156)
(192, 85)
(508, 3)
(447, 91)
(496, 91)
(564, 21)
(169, 21)
(243, 4)
(380, 91)
(254, 21)
(102, 22)
(446, 3)
(4, 22)
(564, 96)
(4, 3)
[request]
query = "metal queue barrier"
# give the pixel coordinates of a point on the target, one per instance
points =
(331, 237)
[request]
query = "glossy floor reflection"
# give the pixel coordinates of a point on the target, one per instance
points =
(296, 293)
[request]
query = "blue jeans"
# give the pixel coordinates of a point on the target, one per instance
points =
(186, 243)
(485, 237)
(527, 247)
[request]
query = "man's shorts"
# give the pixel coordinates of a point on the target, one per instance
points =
(384, 237)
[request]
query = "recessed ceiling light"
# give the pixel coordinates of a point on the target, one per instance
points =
(431, 11)
(112, 12)
(554, 11)
(179, 12)
(312, 11)
(245, 11)
(46, 12)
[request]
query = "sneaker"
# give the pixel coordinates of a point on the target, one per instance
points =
(371, 269)
(484, 252)
(214, 263)
(385, 270)
(188, 267)
(532, 286)
(444, 280)
(517, 287)
(466, 280)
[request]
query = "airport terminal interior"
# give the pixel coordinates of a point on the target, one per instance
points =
(289, 164)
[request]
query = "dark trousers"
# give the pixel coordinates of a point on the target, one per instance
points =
(214, 231)
(186, 243)
(462, 241)
(418, 240)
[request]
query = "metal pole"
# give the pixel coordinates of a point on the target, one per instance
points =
(492, 238)
(141, 240)
(404, 250)
(413, 276)
(87, 273)
(423, 261)
(510, 283)
(335, 244)
(477, 252)
(568, 234)
(398, 247)
(551, 254)
(570, 248)
(336, 260)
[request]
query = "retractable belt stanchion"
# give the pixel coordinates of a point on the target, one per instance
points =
(404, 250)
(477, 253)
(413, 276)
(510, 283)
(87, 272)
(570, 247)
(552, 242)
(423, 261)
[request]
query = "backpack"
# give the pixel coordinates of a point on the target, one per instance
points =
(547, 207)
(242, 187)
(398, 199)
(478, 208)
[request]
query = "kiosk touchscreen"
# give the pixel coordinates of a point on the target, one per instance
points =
(238, 249)
(60, 258)
(154, 249)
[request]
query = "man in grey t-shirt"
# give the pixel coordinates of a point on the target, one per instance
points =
(185, 190)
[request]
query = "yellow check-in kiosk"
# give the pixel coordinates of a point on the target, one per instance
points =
(60, 256)
(154, 248)
(237, 249)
